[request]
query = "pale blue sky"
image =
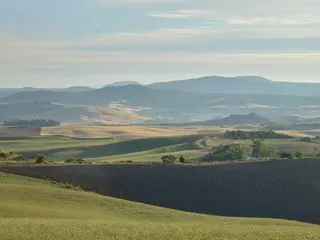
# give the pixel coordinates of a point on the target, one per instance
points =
(55, 43)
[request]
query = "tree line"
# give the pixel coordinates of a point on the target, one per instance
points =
(258, 150)
(238, 134)
(17, 157)
(32, 123)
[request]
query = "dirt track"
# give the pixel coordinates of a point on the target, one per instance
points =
(277, 189)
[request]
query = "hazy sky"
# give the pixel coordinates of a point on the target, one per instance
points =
(50, 43)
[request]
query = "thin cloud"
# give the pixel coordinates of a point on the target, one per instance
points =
(275, 21)
(179, 14)
(139, 2)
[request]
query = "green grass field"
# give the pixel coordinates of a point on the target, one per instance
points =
(61, 148)
(58, 149)
(47, 143)
(36, 209)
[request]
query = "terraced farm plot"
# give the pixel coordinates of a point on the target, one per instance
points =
(36, 209)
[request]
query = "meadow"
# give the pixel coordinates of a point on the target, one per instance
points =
(37, 209)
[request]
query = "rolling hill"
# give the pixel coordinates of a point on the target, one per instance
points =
(134, 94)
(70, 114)
(288, 189)
(232, 120)
(42, 210)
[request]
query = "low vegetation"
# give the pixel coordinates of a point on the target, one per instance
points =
(258, 149)
(14, 157)
(226, 153)
(238, 134)
(75, 160)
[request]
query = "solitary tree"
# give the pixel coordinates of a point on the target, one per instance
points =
(287, 155)
(40, 159)
(182, 159)
(3, 155)
(298, 155)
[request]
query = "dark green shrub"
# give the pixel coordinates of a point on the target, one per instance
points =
(3, 156)
(40, 159)
(298, 155)
(75, 161)
(182, 159)
(226, 153)
(285, 155)
(168, 159)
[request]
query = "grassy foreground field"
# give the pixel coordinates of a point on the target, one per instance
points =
(35, 209)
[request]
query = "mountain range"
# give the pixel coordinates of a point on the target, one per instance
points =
(176, 102)
(238, 85)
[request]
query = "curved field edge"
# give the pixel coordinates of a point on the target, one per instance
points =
(272, 189)
(38, 209)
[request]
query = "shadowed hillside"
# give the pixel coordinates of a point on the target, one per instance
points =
(239, 119)
(276, 189)
(117, 148)
(107, 114)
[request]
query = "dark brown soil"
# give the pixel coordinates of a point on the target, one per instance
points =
(275, 189)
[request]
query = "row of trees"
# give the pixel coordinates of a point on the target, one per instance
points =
(171, 159)
(34, 158)
(17, 157)
(32, 123)
(238, 134)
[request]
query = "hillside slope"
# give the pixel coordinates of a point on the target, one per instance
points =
(110, 114)
(232, 120)
(273, 189)
(35, 209)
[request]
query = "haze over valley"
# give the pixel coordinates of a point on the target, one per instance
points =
(164, 102)
(160, 120)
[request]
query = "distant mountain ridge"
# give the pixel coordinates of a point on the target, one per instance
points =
(209, 84)
(5, 92)
(184, 101)
(122, 83)
(239, 85)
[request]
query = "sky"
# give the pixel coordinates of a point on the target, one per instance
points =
(60, 43)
